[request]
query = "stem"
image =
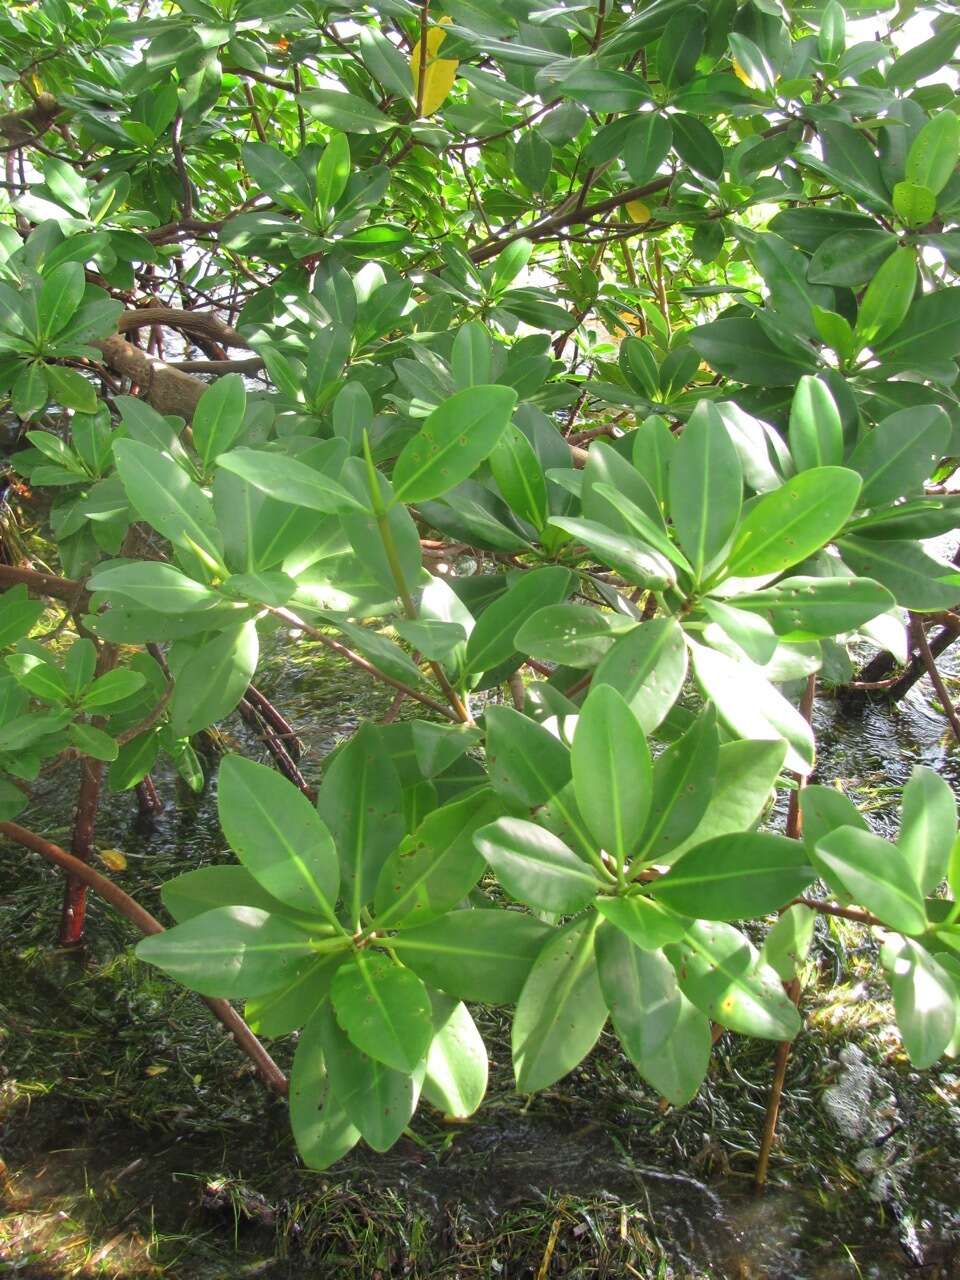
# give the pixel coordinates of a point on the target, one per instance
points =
(422, 68)
(74, 909)
(148, 924)
(776, 1093)
(336, 647)
(935, 677)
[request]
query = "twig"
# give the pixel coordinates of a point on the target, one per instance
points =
(358, 661)
(148, 924)
(935, 677)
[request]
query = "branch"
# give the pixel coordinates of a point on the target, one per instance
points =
(22, 127)
(148, 924)
(203, 323)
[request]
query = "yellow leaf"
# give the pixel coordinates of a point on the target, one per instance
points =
(113, 859)
(638, 211)
(438, 73)
(741, 75)
(156, 1069)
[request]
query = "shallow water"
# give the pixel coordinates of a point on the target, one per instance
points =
(626, 1183)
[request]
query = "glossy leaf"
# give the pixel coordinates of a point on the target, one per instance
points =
(278, 835)
(612, 772)
(734, 877)
(875, 874)
(452, 442)
(561, 1009)
(535, 867)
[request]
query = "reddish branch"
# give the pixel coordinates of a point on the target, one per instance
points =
(148, 924)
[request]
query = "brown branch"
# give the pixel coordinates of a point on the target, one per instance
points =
(148, 924)
(22, 127)
(936, 679)
(68, 590)
(202, 323)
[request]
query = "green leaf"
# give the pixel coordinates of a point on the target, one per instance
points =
(164, 495)
(18, 614)
(706, 488)
(456, 1078)
(333, 172)
(800, 609)
(647, 666)
(696, 145)
(914, 205)
(30, 390)
(823, 809)
(321, 1129)
(434, 869)
(750, 706)
(816, 432)
(648, 144)
(850, 257)
(230, 885)
(60, 295)
(786, 945)
(71, 389)
(925, 998)
(635, 560)
(492, 640)
(92, 742)
(510, 262)
(574, 635)
(679, 1066)
(683, 779)
(648, 924)
(288, 480)
(789, 524)
(720, 971)
(884, 306)
(231, 952)
(536, 868)
(533, 160)
(452, 442)
(561, 1009)
(928, 827)
(384, 1009)
(921, 60)
(278, 836)
(875, 874)
(519, 476)
(640, 989)
(915, 579)
(740, 349)
(41, 678)
(213, 680)
(154, 585)
(612, 773)
(680, 45)
(218, 417)
(360, 803)
(734, 877)
(832, 37)
(474, 955)
(528, 764)
(743, 785)
(345, 111)
(278, 176)
(900, 453)
(385, 62)
(378, 1100)
(112, 686)
(291, 1006)
(930, 333)
(934, 152)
